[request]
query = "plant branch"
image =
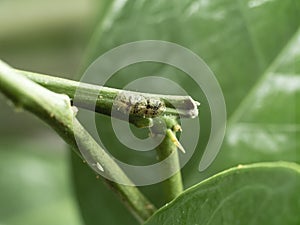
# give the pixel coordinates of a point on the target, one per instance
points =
(55, 110)
(52, 104)
(102, 99)
(167, 149)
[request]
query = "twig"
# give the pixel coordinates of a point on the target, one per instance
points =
(55, 109)
(168, 149)
(183, 106)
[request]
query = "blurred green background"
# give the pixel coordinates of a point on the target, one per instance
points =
(35, 178)
(252, 46)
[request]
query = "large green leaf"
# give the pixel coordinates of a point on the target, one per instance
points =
(266, 126)
(266, 193)
(238, 39)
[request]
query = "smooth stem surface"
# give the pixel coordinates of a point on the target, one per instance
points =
(135, 201)
(168, 149)
(55, 109)
(105, 97)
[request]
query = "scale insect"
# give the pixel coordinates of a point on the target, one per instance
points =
(139, 105)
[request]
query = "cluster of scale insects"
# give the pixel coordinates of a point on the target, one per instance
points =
(139, 105)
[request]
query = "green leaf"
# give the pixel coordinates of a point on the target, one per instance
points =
(239, 40)
(266, 126)
(268, 119)
(265, 193)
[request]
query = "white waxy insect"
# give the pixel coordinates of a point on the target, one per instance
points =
(99, 167)
(139, 105)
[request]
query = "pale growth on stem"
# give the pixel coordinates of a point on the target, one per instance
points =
(174, 139)
(99, 167)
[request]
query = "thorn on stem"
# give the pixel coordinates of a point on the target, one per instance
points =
(174, 139)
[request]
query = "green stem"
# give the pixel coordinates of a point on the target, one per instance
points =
(185, 107)
(168, 149)
(135, 201)
(105, 97)
(55, 109)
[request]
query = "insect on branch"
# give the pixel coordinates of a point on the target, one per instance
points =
(139, 107)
